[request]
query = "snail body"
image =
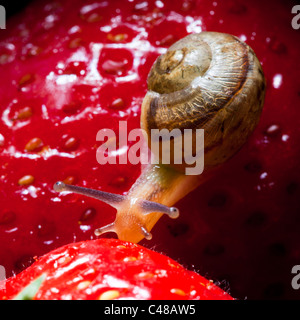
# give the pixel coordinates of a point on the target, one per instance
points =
(211, 81)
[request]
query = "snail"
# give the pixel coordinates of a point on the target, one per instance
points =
(211, 81)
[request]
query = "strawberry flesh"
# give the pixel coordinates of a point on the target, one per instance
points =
(109, 269)
(66, 63)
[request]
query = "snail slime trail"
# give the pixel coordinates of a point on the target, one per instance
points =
(209, 81)
(173, 146)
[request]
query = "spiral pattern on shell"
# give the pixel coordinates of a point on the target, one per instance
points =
(211, 81)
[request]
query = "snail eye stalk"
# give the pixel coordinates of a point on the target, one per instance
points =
(120, 202)
(112, 199)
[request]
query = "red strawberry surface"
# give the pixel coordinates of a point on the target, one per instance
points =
(110, 269)
(71, 68)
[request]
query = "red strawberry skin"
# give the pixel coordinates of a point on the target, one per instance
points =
(111, 269)
(59, 89)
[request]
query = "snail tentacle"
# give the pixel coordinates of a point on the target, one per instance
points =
(112, 199)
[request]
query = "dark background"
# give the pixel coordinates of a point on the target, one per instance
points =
(14, 6)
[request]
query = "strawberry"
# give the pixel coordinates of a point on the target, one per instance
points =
(74, 67)
(108, 269)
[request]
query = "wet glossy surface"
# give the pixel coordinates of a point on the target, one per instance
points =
(109, 269)
(71, 68)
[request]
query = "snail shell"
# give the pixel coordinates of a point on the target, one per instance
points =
(211, 81)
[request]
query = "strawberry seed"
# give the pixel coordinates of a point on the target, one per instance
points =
(26, 180)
